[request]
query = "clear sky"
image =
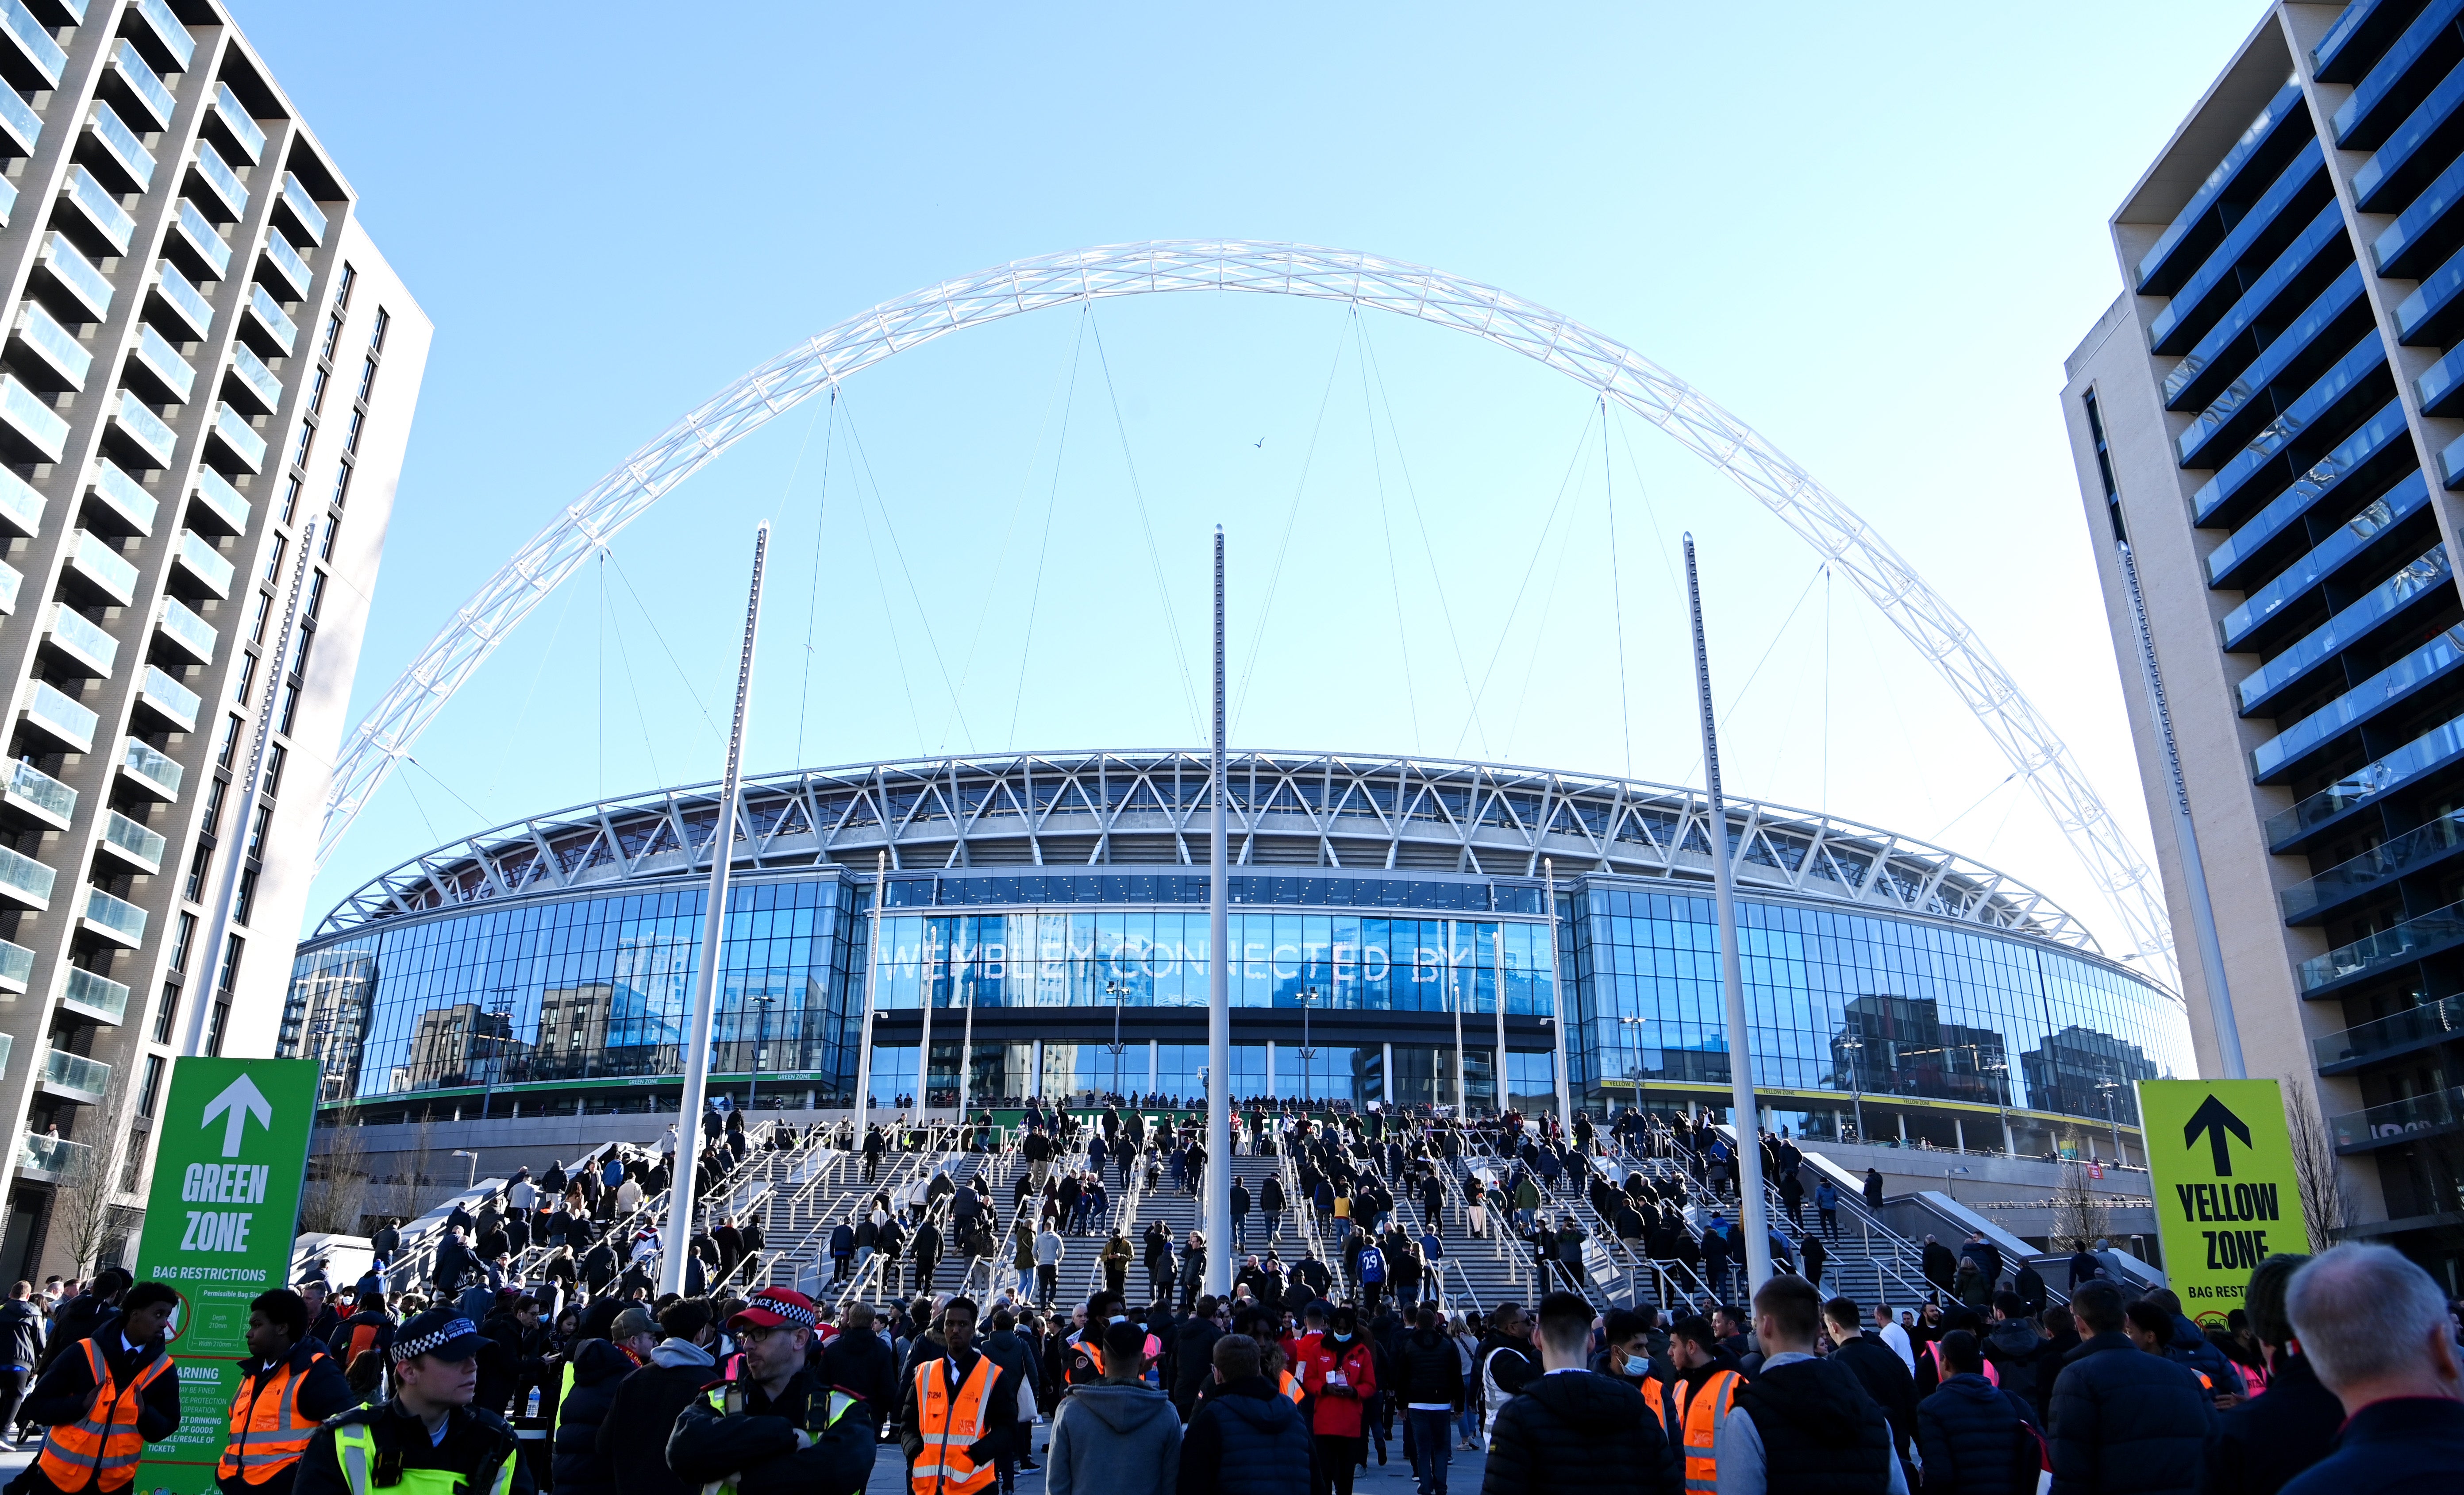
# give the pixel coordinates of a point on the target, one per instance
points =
(1871, 234)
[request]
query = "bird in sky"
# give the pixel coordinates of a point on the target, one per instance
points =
(1260, 442)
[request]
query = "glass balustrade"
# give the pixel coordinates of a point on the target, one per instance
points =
(125, 496)
(58, 346)
(2438, 1021)
(49, 1156)
(287, 260)
(111, 220)
(220, 179)
(260, 380)
(133, 837)
(143, 83)
(78, 634)
(163, 362)
(30, 785)
(123, 144)
(2398, 1119)
(33, 418)
(11, 581)
(50, 708)
(145, 428)
(21, 503)
(75, 1073)
(169, 696)
(116, 916)
(19, 118)
(8, 198)
(32, 36)
(224, 501)
(16, 967)
(2406, 942)
(183, 299)
(29, 880)
(237, 434)
(77, 274)
(312, 218)
(235, 116)
(286, 332)
(157, 769)
(199, 231)
(96, 996)
(204, 562)
(191, 632)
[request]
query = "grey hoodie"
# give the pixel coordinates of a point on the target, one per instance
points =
(1113, 1441)
(673, 1353)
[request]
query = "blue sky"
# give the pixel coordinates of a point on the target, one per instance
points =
(1872, 238)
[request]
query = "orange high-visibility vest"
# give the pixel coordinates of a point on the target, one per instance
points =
(1289, 1387)
(268, 1434)
(1700, 1422)
(950, 1425)
(105, 1444)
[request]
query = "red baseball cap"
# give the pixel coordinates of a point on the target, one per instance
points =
(772, 1307)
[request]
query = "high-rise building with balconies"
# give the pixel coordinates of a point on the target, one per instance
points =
(208, 371)
(2272, 418)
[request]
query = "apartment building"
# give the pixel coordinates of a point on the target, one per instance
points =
(2271, 418)
(206, 387)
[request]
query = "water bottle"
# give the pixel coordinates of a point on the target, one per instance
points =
(535, 1402)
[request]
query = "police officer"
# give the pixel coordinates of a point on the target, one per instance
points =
(736, 1434)
(288, 1386)
(103, 1399)
(427, 1439)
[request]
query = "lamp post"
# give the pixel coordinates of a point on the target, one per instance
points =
(1634, 1070)
(761, 1036)
(2000, 1070)
(504, 1014)
(1119, 993)
(1855, 1047)
(1308, 999)
(2106, 1088)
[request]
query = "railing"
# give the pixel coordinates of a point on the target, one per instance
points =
(234, 116)
(41, 790)
(74, 1072)
(220, 177)
(125, 493)
(99, 994)
(51, 1157)
(147, 763)
(156, 353)
(295, 196)
(227, 502)
(2435, 1022)
(199, 231)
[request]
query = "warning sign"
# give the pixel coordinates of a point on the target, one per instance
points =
(2227, 1196)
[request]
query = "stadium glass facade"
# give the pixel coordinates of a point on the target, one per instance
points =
(1888, 983)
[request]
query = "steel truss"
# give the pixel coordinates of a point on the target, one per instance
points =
(1599, 363)
(1147, 812)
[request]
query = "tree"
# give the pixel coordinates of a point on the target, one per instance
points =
(2080, 1217)
(2315, 1168)
(336, 1194)
(85, 1198)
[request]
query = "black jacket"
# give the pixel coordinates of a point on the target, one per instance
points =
(1193, 1362)
(2018, 1355)
(1976, 1439)
(2406, 1446)
(1000, 1432)
(759, 1440)
(1428, 1368)
(1562, 1435)
(21, 1336)
(2124, 1422)
(75, 1319)
(475, 1444)
(1885, 1378)
(1244, 1439)
(582, 1466)
(2260, 1445)
(863, 1364)
(1821, 1432)
(633, 1439)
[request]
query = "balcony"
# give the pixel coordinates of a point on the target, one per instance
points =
(198, 231)
(48, 1159)
(33, 42)
(75, 634)
(143, 84)
(2280, 213)
(101, 208)
(124, 496)
(192, 634)
(131, 841)
(21, 504)
(16, 967)
(2413, 152)
(281, 328)
(55, 346)
(2398, 1121)
(25, 880)
(2199, 223)
(2288, 830)
(2405, 1032)
(52, 709)
(33, 419)
(202, 561)
(39, 794)
(176, 376)
(175, 702)
(243, 131)
(196, 314)
(241, 438)
(95, 998)
(167, 30)
(7, 192)
(294, 270)
(121, 144)
(116, 920)
(2282, 756)
(19, 123)
(219, 498)
(136, 420)
(259, 380)
(2404, 944)
(2423, 231)
(11, 581)
(2294, 354)
(303, 206)
(2385, 521)
(74, 1077)
(74, 273)
(151, 769)
(220, 179)
(2294, 276)
(2364, 119)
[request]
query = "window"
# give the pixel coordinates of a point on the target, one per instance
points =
(247, 900)
(316, 594)
(165, 1014)
(257, 832)
(333, 334)
(186, 931)
(376, 339)
(342, 483)
(198, 863)
(343, 284)
(257, 625)
(367, 378)
(291, 497)
(317, 390)
(132, 1172)
(307, 439)
(290, 709)
(274, 757)
(351, 437)
(247, 678)
(150, 1093)
(333, 527)
(298, 669)
(231, 742)
(274, 559)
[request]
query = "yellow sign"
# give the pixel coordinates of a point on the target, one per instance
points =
(2227, 1195)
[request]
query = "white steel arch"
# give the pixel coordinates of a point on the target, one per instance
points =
(1588, 357)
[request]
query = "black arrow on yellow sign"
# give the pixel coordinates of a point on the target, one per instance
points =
(2214, 1118)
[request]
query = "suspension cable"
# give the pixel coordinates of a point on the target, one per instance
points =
(898, 552)
(1291, 514)
(1386, 528)
(1539, 547)
(1043, 540)
(821, 513)
(1617, 586)
(1155, 556)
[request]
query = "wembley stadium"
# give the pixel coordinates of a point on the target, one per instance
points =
(1042, 931)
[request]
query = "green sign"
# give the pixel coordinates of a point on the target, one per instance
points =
(220, 1219)
(2227, 1195)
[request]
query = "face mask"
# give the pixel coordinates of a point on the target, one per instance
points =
(1342, 1337)
(1636, 1365)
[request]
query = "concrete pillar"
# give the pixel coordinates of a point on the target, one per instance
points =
(1271, 1069)
(1958, 1133)
(1154, 1058)
(1035, 1072)
(1386, 1076)
(1902, 1119)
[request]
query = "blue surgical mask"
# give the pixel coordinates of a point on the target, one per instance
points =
(1636, 1365)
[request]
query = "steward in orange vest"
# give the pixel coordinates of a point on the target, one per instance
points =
(105, 1399)
(288, 1387)
(957, 1415)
